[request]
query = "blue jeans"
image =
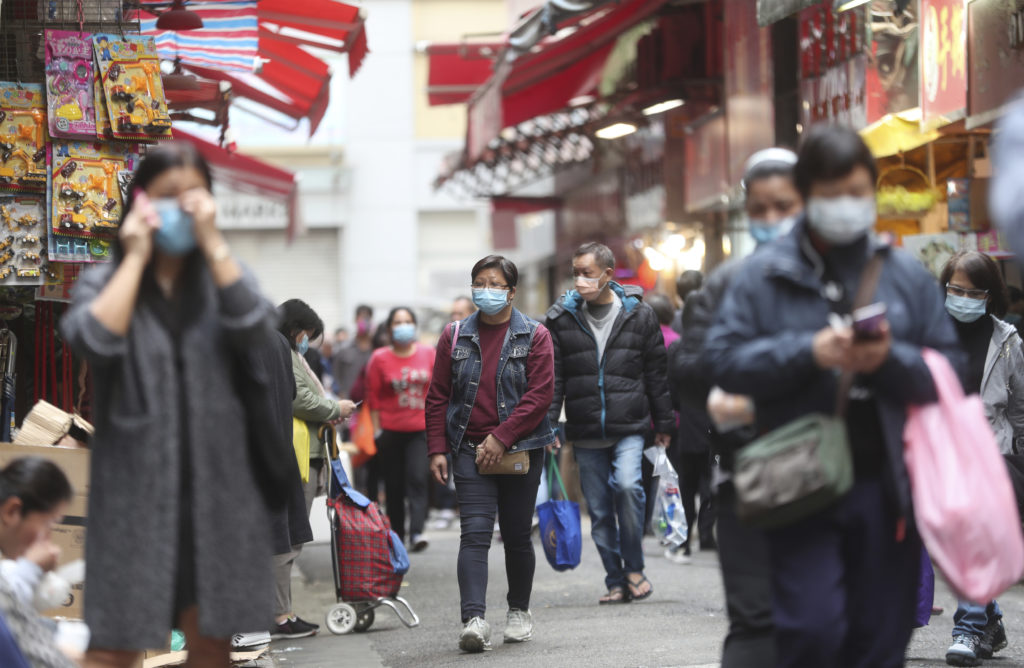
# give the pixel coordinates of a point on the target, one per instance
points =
(971, 618)
(613, 486)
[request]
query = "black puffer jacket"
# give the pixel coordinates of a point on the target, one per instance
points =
(615, 396)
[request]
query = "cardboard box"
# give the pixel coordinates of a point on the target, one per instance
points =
(69, 535)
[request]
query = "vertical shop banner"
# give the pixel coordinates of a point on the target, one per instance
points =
(995, 60)
(833, 64)
(943, 60)
(748, 85)
(706, 165)
(893, 81)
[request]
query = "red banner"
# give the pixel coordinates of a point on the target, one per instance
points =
(832, 67)
(943, 59)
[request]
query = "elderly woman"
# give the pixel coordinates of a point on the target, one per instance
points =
(845, 577)
(175, 509)
(492, 385)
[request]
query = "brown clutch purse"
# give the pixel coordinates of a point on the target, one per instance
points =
(510, 464)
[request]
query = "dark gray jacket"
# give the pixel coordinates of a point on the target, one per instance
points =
(619, 394)
(135, 498)
(761, 343)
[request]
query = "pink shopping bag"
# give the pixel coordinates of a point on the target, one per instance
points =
(964, 504)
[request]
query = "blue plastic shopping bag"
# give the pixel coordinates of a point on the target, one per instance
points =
(560, 526)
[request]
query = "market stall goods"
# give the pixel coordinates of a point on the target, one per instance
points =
(22, 137)
(23, 239)
(69, 84)
(134, 92)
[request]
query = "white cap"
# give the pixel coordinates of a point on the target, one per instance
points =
(778, 156)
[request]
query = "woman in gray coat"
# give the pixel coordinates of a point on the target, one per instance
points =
(178, 529)
(976, 299)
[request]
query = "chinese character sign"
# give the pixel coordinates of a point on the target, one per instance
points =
(943, 59)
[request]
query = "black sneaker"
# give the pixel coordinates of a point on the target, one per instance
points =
(993, 639)
(964, 651)
(293, 628)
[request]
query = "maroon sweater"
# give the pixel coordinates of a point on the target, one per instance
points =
(483, 420)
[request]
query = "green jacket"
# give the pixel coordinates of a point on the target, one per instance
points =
(311, 406)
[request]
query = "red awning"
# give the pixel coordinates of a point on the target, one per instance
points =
(248, 174)
(458, 70)
(551, 74)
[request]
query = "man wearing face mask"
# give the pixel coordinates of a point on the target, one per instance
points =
(610, 372)
(350, 359)
(772, 204)
(845, 577)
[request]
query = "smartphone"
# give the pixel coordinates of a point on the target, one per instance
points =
(867, 321)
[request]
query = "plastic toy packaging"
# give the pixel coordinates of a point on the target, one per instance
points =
(69, 84)
(86, 197)
(22, 137)
(130, 77)
(23, 256)
(669, 517)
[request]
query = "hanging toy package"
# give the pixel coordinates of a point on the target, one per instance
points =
(22, 137)
(69, 84)
(669, 518)
(130, 78)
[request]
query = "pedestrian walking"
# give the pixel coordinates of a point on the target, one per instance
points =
(397, 379)
(976, 299)
(688, 282)
(174, 507)
(34, 493)
(349, 359)
(772, 204)
(610, 373)
(462, 308)
(845, 577)
(488, 402)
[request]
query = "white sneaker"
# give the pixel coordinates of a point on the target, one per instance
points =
(475, 636)
(519, 626)
(677, 556)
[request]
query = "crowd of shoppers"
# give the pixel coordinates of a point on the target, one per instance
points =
(176, 334)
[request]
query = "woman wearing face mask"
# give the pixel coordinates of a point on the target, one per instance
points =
(299, 324)
(844, 578)
(34, 493)
(493, 384)
(976, 299)
(175, 509)
(397, 378)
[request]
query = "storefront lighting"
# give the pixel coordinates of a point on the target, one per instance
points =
(616, 130)
(846, 5)
(672, 245)
(655, 259)
(662, 107)
(726, 246)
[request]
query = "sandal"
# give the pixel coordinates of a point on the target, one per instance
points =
(615, 596)
(634, 588)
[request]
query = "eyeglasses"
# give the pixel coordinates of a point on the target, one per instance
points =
(486, 286)
(957, 291)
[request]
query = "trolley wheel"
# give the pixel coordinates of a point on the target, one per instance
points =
(365, 621)
(341, 619)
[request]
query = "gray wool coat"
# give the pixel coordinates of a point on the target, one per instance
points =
(136, 487)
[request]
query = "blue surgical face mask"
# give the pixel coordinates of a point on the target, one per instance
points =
(404, 333)
(966, 309)
(303, 345)
(490, 300)
(763, 232)
(176, 235)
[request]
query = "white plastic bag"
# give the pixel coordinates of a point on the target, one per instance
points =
(669, 519)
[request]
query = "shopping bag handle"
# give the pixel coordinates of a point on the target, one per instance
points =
(553, 471)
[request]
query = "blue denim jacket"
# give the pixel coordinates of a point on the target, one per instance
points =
(466, 364)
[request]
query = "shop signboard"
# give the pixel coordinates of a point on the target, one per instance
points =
(748, 85)
(943, 60)
(995, 57)
(832, 67)
(706, 170)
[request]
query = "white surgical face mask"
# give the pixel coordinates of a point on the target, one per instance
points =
(841, 220)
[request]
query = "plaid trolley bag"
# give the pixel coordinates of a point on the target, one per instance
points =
(369, 559)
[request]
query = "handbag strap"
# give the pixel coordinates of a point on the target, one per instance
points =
(553, 471)
(865, 293)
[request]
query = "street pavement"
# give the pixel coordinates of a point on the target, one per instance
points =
(682, 624)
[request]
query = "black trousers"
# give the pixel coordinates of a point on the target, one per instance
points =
(513, 497)
(747, 577)
(402, 457)
(844, 585)
(694, 481)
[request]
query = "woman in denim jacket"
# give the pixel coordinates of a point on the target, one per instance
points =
(492, 385)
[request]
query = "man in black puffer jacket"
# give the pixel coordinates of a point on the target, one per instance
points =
(610, 371)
